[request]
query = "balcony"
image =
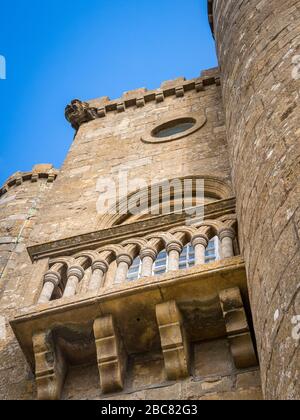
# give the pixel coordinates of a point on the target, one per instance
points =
(87, 311)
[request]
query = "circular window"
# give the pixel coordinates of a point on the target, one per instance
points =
(172, 128)
(169, 130)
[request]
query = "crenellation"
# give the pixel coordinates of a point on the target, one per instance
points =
(38, 172)
(79, 112)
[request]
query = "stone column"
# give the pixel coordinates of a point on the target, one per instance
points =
(75, 275)
(200, 243)
(226, 237)
(51, 281)
(124, 262)
(99, 269)
(174, 250)
(148, 257)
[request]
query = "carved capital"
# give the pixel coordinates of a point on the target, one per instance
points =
(52, 277)
(50, 367)
(100, 265)
(148, 252)
(226, 233)
(174, 246)
(76, 271)
(200, 239)
(125, 258)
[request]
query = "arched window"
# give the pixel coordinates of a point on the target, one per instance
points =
(135, 270)
(187, 260)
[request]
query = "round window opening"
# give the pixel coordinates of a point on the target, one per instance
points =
(174, 127)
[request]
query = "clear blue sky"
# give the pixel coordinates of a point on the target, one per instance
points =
(58, 50)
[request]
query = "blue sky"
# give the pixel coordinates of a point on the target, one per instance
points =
(58, 50)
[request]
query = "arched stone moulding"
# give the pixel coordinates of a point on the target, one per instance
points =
(215, 188)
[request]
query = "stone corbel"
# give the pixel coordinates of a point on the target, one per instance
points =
(111, 355)
(218, 81)
(19, 181)
(102, 112)
(237, 328)
(179, 92)
(173, 340)
(121, 107)
(34, 177)
(199, 86)
(50, 366)
(160, 97)
(140, 102)
(51, 178)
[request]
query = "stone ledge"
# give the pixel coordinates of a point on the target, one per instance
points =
(190, 288)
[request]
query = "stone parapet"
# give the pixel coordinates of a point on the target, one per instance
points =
(78, 112)
(42, 171)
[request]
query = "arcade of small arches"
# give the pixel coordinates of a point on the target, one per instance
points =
(134, 259)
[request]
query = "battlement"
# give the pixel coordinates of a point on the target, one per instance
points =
(79, 112)
(41, 171)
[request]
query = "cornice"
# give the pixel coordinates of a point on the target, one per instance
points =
(79, 112)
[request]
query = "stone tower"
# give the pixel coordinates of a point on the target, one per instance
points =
(120, 282)
(21, 199)
(150, 304)
(258, 45)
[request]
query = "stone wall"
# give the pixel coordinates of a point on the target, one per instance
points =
(103, 146)
(69, 209)
(20, 202)
(258, 42)
(214, 377)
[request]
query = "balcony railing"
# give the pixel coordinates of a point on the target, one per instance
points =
(109, 265)
(86, 308)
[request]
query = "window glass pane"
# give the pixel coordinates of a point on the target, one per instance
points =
(175, 128)
(210, 253)
(161, 255)
(134, 270)
(160, 265)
